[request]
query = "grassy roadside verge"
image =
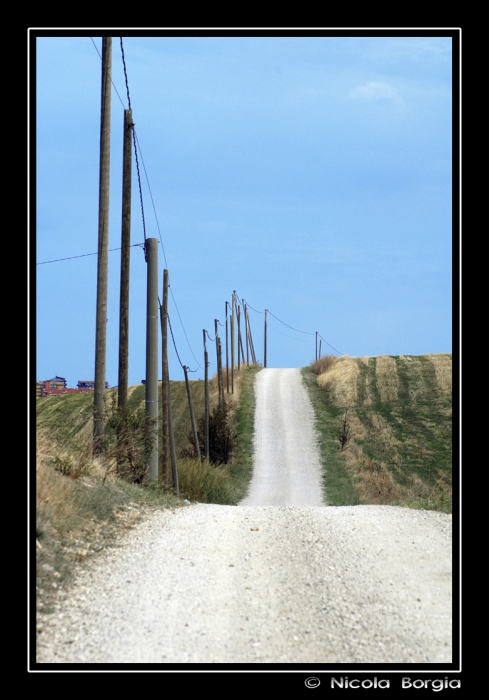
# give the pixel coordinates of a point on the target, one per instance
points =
(338, 483)
(242, 466)
(79, 513)
(395, 415)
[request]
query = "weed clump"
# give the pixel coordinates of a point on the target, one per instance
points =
(204, 482)
(323, 364)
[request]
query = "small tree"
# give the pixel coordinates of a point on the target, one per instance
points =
(344, 430)
(134, 435)
(222, 436)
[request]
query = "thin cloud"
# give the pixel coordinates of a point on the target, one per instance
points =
(376, 90)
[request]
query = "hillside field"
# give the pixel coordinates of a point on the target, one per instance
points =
(385, 426)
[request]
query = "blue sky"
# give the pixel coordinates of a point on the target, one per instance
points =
(310, 174)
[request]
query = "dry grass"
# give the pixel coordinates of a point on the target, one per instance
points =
(324, 364)
(399, 413)
(443, 370)
(375, 483)
(386, 378)
(341, 378)
(203, 482)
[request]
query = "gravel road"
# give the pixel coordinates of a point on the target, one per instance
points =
(293, 582)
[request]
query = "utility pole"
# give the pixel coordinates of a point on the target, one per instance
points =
(125, 261)
(239, 338)
(103, 249)
(152, 356)
(206, 399)
(265, 343)
(163, 471)
(320, 349)
(173, 454)
(233, 353)
(246, 332)
(216, 333)
(221, 397)
(227, 353)
(316, 346)
(192, 416)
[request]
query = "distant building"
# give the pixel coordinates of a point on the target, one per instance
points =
(89, 384)
(55, 383)
(57, 386)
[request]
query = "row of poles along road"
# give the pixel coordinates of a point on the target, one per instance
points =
(157, 468)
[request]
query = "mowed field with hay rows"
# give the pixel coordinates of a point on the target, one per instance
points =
(385, 426)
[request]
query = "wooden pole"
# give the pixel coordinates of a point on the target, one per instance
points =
(216, 333)
(192, 416)
(163, 467)
(239, 337)
(206, 400)
(246, 333)
(220, 370)
(103, 249)
(265, 342)
(233, 349)
(152, 356)
(173, 454)
(125, 261)
(227, 353)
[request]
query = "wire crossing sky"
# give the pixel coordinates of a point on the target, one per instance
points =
(312, 174)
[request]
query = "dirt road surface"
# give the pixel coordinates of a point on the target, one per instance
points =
(278, 579)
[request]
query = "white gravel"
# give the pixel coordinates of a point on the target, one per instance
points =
(283, 583)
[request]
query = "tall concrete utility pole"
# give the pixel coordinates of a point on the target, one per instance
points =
(125, 260)
(152, 356)
(103, 249)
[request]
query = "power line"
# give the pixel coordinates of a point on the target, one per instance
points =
(258, 312)
(86, 255)
(151, 196)
(301, 340)
(339, 353)
(183, 327)
(133, 136)
(174, 344)
(120, 98)
(125, 75)
(286, 324)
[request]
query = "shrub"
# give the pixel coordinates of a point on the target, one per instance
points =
(204, 482)
(222, 435)
(134, 433)
(323, 364)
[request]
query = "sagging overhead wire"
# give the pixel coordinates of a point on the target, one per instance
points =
(286, 324)
(183, 328)
(137, 147)
(339, 353)
(117, 93)
(86, 255)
